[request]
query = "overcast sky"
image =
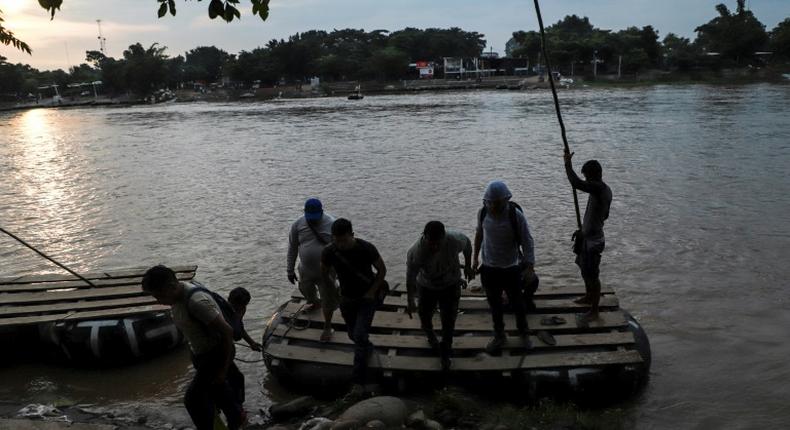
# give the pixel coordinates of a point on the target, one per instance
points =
(63, 41)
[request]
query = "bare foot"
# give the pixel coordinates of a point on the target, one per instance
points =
(326, 335)
(589, 317)
(584, 300)
(309, 307)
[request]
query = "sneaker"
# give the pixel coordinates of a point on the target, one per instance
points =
(433, 341)
(326, 335)
(447, 363)
(525, 340)
(356, 394)
(494, 346)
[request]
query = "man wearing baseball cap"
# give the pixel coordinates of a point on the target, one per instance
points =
(309, 234)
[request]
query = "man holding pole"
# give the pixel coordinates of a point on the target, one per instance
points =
(590, 240)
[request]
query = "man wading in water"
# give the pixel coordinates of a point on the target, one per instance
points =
(590, 241)
(432, 266)
(360, 291)
(210, 338)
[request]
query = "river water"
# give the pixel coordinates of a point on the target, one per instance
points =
(697, 239)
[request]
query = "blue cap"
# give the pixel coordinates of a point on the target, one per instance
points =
(497, 190)
(313, 210)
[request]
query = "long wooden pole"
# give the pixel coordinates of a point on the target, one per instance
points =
(557, 106)
(46, 256)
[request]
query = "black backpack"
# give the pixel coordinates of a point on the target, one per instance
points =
(227, 310)
(512, 207)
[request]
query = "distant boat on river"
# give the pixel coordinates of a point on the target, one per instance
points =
(356, 95)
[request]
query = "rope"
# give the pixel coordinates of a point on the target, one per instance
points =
(46, 256)
(557, 105)
(292, 322)
(248, 361)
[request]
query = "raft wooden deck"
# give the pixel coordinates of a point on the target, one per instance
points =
(401, 346)
(36, 299)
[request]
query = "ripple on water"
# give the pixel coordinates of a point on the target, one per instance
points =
(695, 243)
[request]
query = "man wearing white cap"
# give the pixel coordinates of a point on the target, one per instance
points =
(309, 234)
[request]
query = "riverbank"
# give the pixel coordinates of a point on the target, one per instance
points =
(446, 408)
(743, 76)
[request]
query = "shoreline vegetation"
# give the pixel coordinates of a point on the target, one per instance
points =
(743, 76)
(733, 47)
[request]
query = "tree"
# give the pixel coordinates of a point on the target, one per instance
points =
(389, 63)
(257, 65)
(735, 36)
(204, 63)
(780, 39)
(145, 69)
(525, 44)
(223, 9)
(679, 53)
(639, 48)
(84, 73)
(7, 38)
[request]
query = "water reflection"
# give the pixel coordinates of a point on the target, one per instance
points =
(698, 227)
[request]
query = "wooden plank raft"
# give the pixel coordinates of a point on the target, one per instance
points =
(36, 299)
(400, 345)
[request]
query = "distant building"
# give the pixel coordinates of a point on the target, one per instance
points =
(425, 69)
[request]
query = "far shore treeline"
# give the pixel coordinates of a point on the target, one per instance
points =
(732, 39)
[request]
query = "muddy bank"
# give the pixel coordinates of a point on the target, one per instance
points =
(445, 408)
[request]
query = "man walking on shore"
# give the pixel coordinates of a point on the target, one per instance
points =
(508, 260)
(307, 239)
(210, 339)
(360, 290)
(433, 267)
(590, 244)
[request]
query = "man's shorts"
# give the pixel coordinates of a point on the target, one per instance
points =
(329, 294)
(589, 261)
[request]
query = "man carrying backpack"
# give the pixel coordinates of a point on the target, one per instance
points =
(200, 318)
(508, 260)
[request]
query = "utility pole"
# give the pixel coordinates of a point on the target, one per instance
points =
(68, 60)
(101, 38)
(619, 64)
(595, 63)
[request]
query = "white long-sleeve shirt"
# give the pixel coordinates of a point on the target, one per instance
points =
(437, 270)
(500, 247)
(304, 243)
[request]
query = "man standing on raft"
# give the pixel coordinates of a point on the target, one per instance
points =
(589, 242)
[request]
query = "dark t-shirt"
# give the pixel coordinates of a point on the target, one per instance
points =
(354, 267)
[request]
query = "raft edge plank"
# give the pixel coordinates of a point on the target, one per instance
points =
(403, 341)
(79, 316)
(62, 296)
(468, 322)
(482, 362)
(108, 274)
(9, 311)
(108, 282)
(479, 303)
(545, 291)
